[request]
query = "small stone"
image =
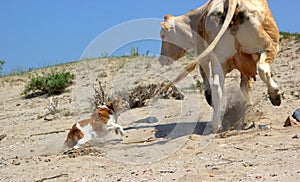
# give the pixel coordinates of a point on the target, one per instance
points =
(258, 177)
(295, 136)
(168, 116)
(273, 175)
(16, 163)
(290, 121)
(262, 127)
(49, 117)
(296, 115)
(3, 136)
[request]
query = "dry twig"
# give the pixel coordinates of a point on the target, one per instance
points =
(51, 132)
(100, 96)
(52, 177)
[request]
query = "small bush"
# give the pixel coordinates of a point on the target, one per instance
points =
(134, 51)
(51, 83)
(289, 36)
(2, 62)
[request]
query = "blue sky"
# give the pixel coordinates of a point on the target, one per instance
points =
(36, 33)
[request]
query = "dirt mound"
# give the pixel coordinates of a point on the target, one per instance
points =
(72, 153)
(238, 114)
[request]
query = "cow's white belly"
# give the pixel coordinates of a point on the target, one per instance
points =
(225, 49)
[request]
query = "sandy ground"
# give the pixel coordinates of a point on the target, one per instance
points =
(164, 140)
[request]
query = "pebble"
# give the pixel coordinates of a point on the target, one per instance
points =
(262, 127)
(296, 114)
(168, 116)
(295, 136)
(3, 136)
(16, 162)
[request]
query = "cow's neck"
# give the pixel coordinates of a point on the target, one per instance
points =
(189, 25)
(183, 27)
(195, 17)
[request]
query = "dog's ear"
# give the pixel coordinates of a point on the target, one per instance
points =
(110, 105)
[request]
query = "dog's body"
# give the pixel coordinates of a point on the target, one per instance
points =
(103, 120)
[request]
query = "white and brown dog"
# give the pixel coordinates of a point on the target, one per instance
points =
(104, 119)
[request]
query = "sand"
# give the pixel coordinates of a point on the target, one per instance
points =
(164, 141)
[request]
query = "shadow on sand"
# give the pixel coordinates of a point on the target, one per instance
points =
(175, 130)
(236, 116)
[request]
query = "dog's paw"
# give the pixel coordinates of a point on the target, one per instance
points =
(119, 130)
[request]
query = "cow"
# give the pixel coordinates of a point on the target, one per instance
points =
(227, 35)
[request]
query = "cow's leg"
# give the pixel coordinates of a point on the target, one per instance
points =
(216, 79)
(207, 91)
(217, 85)
(265, 74)
(213, 76)
(246, 86)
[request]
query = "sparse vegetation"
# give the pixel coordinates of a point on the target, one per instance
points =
(295, 94)
(50, 83)
(198, 85)
(120, 64)
(147, 53)
(100, 96)
(103, 74)
(134, 51)
(104, 55)
(17, 71)
(2, 62)
(288, 35)
(140, 95)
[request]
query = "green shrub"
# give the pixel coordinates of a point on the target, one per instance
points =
(50, 83)
(134, 51)
(2, 62)
(288, 35)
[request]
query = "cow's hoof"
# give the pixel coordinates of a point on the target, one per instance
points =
(208, 97)
(276, 101)
(211, 129)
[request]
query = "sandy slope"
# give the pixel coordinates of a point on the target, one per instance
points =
(163, 141)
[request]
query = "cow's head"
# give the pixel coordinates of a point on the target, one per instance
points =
(176, 39)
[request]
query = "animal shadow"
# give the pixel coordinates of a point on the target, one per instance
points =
(171, 130)
(176, 130)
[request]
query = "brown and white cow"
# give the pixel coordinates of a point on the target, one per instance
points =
(227, 35)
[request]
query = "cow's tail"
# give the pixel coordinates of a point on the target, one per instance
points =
(232, 4)
(189, 68)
